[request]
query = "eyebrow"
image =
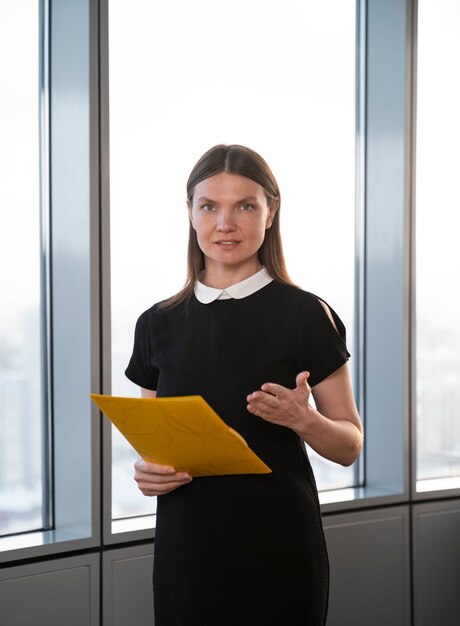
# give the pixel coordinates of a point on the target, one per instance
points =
(245, 199)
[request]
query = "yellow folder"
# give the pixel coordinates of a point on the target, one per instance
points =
(183, 432)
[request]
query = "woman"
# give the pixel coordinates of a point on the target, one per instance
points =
(245, 549)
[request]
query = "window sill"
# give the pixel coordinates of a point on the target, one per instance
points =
(341, 500)
(437, 484)
(338, 500)
(133, 524)
(43, 543)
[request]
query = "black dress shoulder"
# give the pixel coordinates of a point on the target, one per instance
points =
(247, 549)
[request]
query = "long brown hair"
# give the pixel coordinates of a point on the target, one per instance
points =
(234, 159)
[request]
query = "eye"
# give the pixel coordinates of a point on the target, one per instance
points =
(207, 208)
(247, 206)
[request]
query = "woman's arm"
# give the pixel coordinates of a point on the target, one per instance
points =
(153, 479)
(333, 429)
(148, 393)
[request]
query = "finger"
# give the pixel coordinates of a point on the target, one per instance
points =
(274, 389)
(263, 399)
(265, 405)
(301, 381)
(265, 413)
(149, 488)
(302, 386)
(153, 468)
(158, 490)
(153, 479)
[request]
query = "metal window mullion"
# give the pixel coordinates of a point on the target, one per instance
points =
(45, 269)
(360, 222)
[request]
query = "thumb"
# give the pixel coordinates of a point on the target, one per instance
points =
(301, 381)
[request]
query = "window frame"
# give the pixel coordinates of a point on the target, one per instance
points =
(442, 492)
(384, 260)
(71, 273)
(379, 106)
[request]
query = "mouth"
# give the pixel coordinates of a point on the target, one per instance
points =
(227, 242)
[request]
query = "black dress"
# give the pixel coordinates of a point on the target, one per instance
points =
(248, 549)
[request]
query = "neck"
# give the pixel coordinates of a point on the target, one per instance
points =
(221, 277)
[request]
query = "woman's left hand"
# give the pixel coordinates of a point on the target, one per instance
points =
(280, 405)
(332, 427)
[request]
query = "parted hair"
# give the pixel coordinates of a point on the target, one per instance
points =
(234, 159)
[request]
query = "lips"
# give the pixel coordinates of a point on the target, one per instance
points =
(227, 242)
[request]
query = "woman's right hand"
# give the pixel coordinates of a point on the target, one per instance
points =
(156, 480)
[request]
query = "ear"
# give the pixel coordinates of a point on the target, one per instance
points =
(272, 212)
(190, 214)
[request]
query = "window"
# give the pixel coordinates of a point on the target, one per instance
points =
(22, 337)
(437, 251)
(64, 297)
(282, 83)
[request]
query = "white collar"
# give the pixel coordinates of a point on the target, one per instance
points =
(247, 287)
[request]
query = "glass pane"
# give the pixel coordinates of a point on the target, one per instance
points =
(21, 470)
(183, 81)
(437, 250)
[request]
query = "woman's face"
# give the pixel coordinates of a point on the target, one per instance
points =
(230, 215)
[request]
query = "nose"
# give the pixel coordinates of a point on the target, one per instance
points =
(226, 221)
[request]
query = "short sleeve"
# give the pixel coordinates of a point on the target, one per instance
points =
(141, 370)
(325, 348)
